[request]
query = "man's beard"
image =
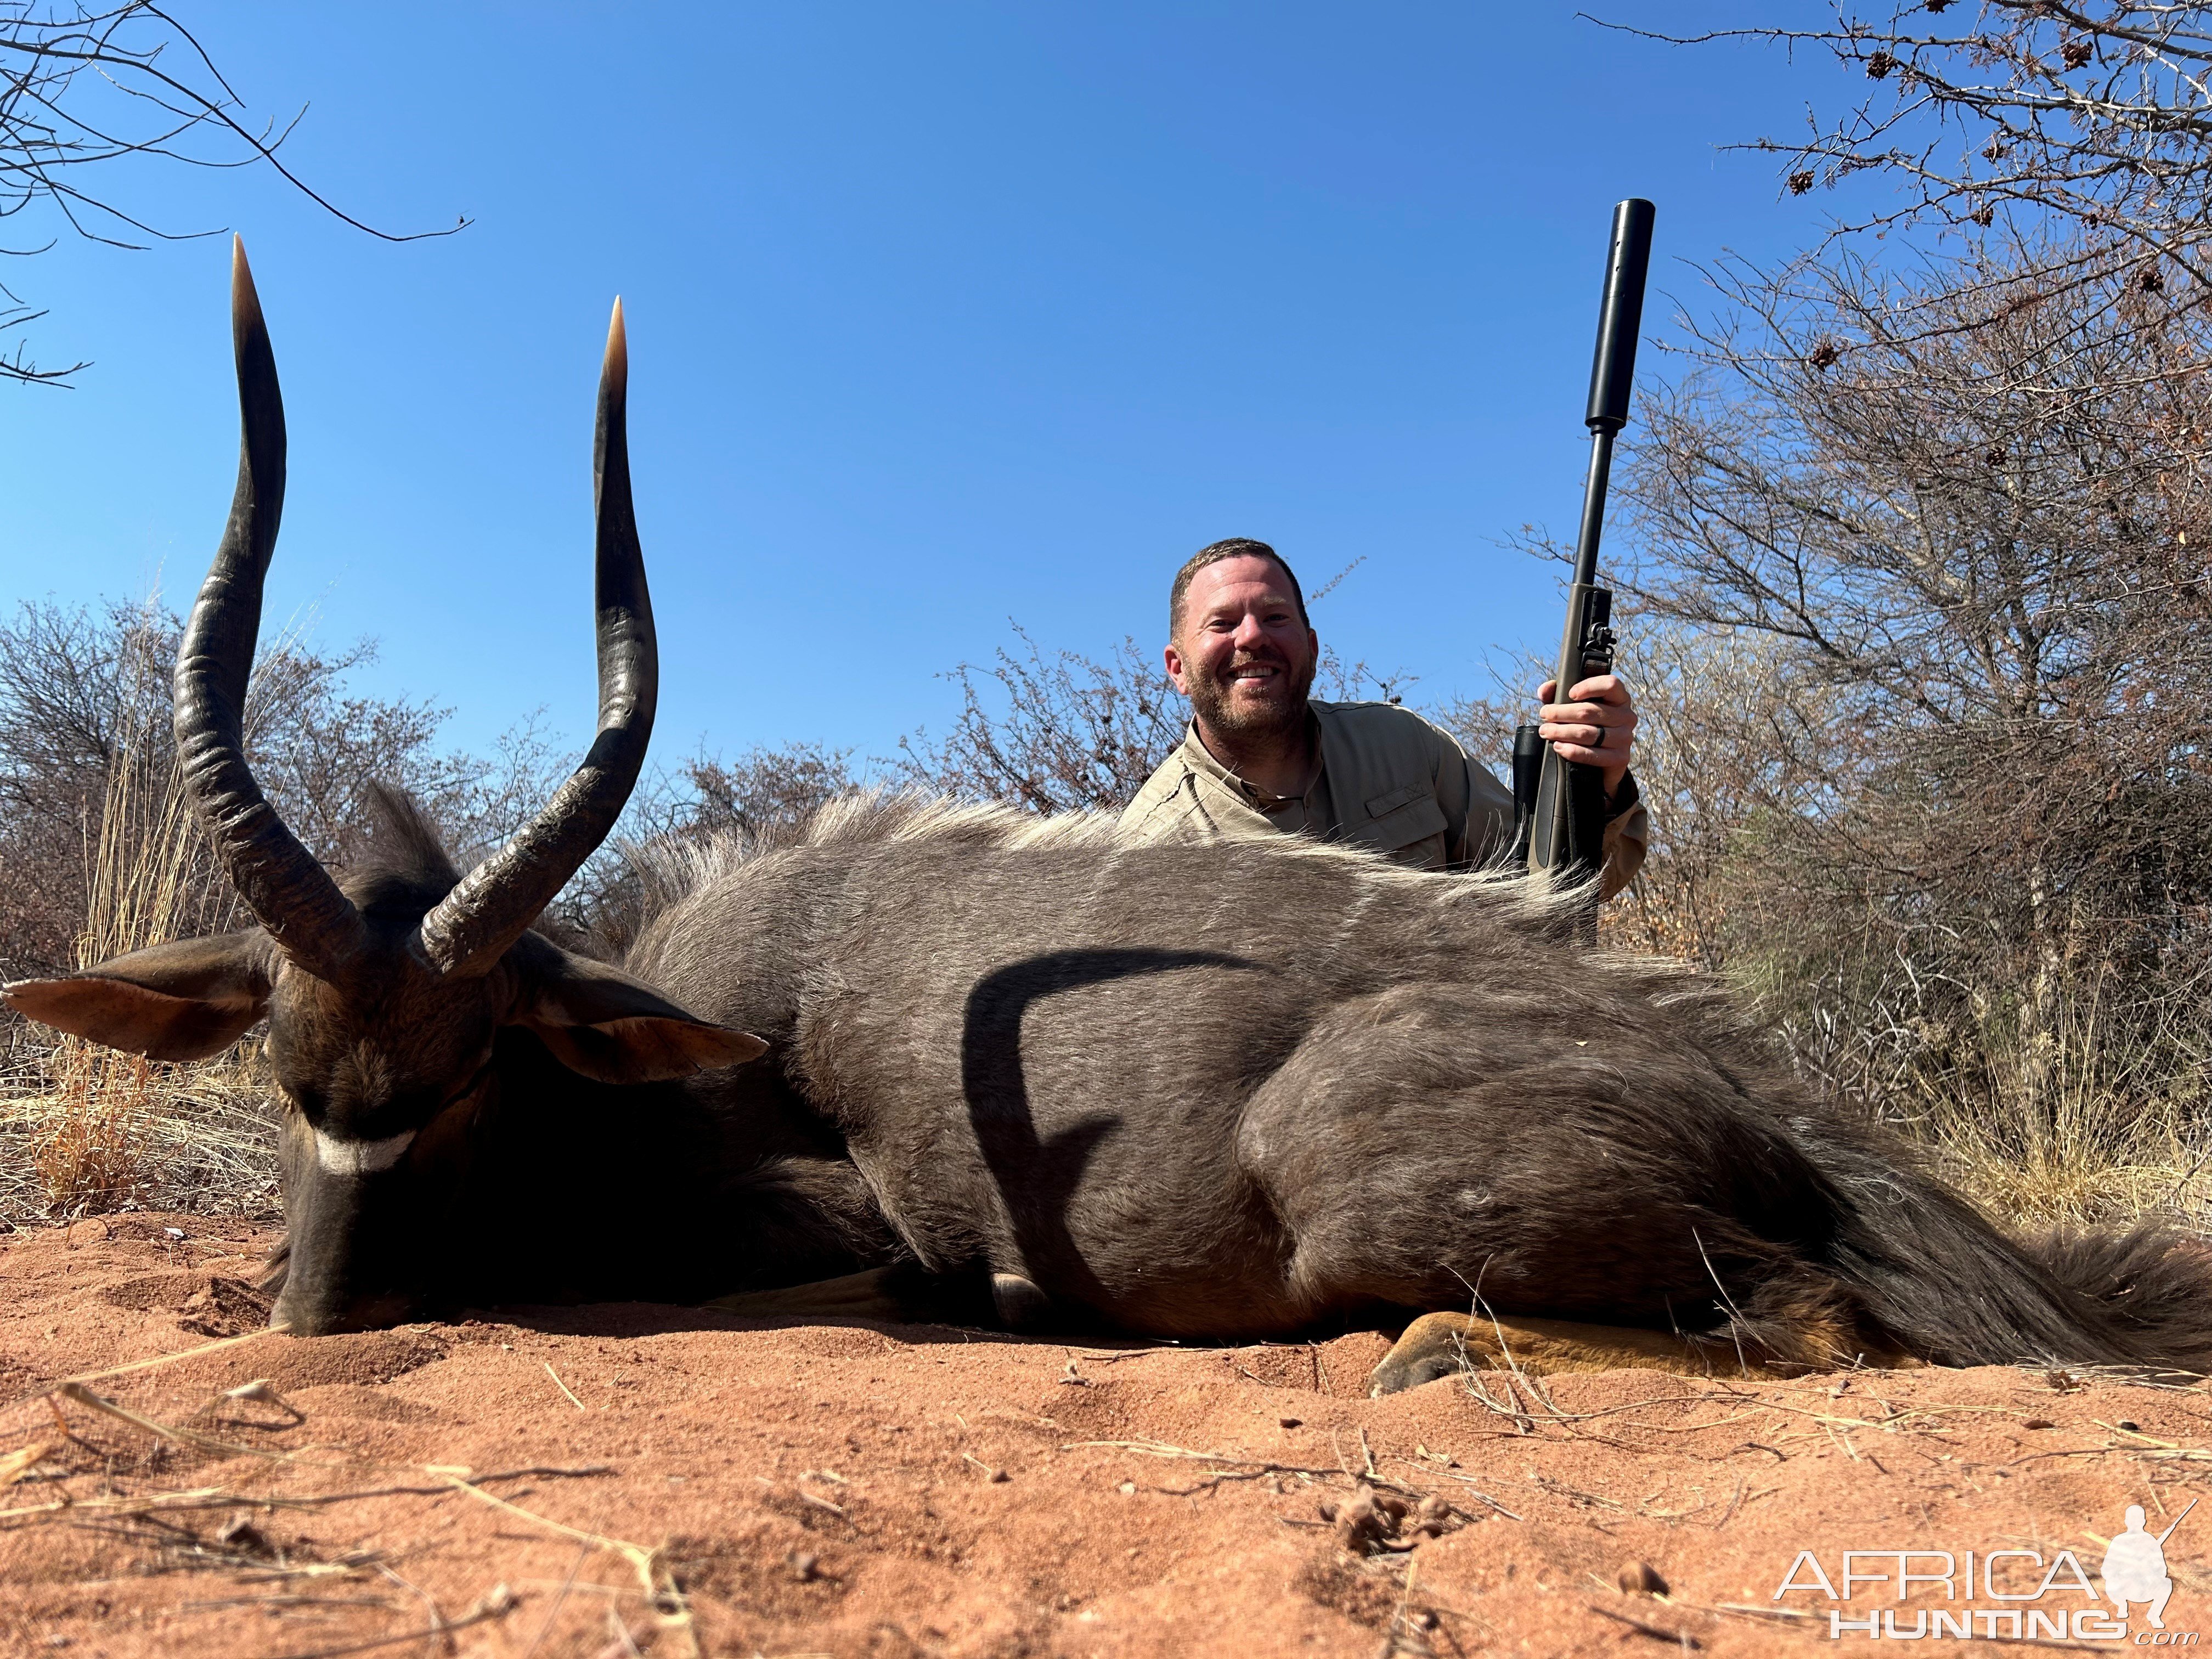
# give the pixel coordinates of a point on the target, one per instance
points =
(1212, 701)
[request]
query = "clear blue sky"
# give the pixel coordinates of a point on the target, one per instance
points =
(940, 316)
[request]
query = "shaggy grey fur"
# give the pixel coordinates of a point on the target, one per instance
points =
(1232, 1090)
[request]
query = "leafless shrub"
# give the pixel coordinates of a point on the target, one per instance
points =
(84, 699)
(2096, 1113)
(761, 796)
(765, 792)
(1922, 664)
(2096, 115)
(1050, 732)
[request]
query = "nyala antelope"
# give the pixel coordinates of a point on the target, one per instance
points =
(930, 1062)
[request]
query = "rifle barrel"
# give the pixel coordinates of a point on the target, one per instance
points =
(2177, 1520)
(1593, 530)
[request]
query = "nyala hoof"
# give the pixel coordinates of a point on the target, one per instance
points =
(1397, 1379)
(1434, 1347)
(1395, 1375)
(1021, 1306)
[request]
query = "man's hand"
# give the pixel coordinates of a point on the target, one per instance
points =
(1595, 727)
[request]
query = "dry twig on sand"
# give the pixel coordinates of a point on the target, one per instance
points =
(660, 1590)
(496, 1605)
(1251, 1469)
(1645, 1627)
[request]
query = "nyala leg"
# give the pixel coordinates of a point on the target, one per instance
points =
(1445, 1344)
(1809, 1334)
(903, 1294)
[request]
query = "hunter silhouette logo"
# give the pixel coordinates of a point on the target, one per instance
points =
(2135, 1567)
(2000, 1594)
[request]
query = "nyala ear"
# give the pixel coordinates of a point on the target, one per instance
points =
(647, 1048)
(186, 1000)
(605, 1024)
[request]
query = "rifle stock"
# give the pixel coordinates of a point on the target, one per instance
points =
(1560, 820)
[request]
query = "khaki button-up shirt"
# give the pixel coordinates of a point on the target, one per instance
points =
(1388, 780)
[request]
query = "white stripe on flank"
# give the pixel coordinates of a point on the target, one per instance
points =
(357, 1158)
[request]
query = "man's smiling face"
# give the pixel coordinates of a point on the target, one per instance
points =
(1242, 652)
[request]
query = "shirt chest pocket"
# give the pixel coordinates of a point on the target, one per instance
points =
(1400, 821)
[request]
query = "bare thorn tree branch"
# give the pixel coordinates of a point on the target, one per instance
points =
(83, 85)
(2100, 114)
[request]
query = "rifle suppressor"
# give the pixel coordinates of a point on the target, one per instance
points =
(1564, 822)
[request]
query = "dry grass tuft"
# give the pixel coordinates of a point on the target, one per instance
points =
(84, 1129)
(2088, 1120)
(88, 1150)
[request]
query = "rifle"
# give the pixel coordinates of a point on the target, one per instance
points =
(2177, 1520)
(1558, 807)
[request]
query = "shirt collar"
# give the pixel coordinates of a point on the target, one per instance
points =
(1200, 758)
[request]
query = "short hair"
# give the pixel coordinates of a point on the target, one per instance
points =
(1236, 547)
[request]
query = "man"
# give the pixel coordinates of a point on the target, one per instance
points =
(1261, 756)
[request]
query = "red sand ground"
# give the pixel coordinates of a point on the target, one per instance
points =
(703, 1484)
